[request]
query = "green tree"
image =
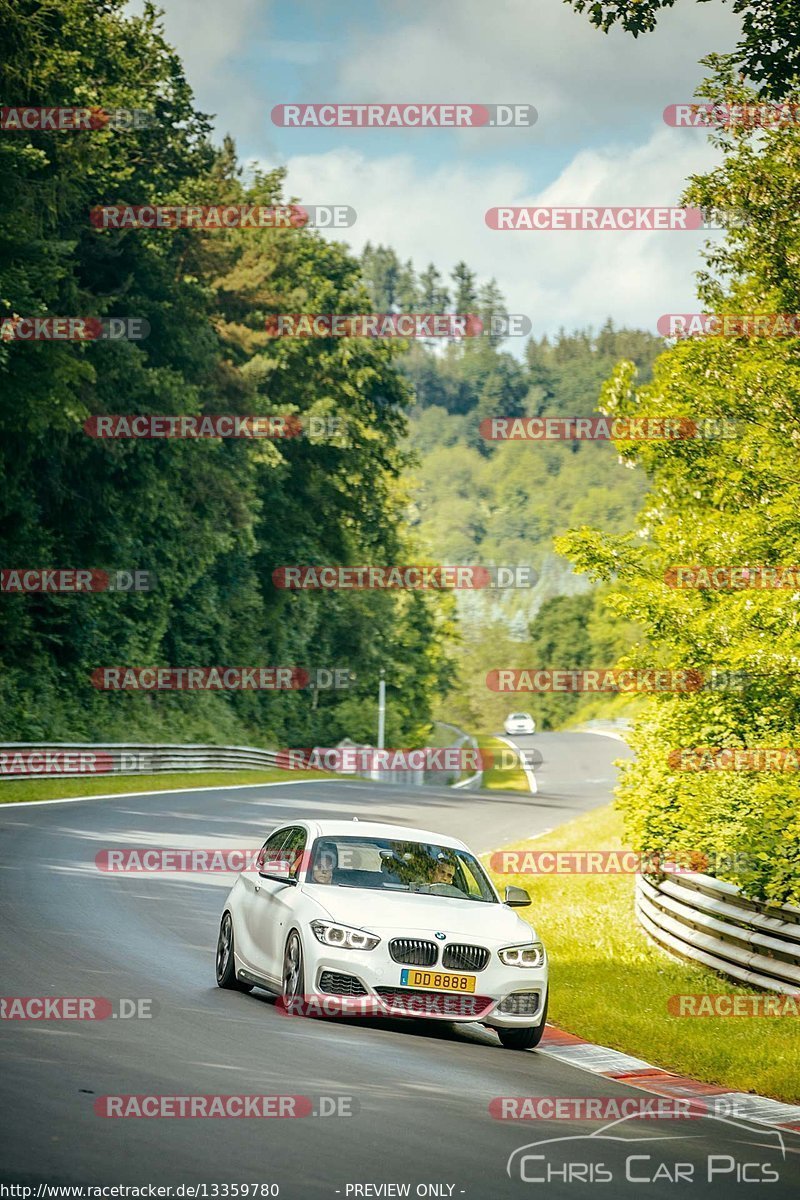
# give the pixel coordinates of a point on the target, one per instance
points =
(491, 303)
(434, 297)
(381, 271)
(407, 290)
(465, 295)
(720, 501)
(212, 518)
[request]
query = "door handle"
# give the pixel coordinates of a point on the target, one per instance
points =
(257, 887)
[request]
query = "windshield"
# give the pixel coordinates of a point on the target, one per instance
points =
(386, 865)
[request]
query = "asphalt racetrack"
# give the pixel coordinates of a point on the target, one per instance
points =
(418, 1092)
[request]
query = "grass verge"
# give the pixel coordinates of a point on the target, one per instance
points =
(56, 788)
(610, 985)
(497, 778)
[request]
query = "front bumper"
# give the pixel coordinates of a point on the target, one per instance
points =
(380, 977)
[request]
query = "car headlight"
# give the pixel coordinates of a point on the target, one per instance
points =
(529, 955)
(331, 934)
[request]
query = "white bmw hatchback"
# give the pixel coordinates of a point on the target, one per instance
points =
(405, 919)
(519, 723)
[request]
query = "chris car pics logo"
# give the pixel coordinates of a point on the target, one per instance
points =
(728, 1151)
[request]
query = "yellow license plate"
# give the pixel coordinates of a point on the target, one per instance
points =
(438, 981)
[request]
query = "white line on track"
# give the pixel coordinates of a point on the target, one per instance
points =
(529, 775)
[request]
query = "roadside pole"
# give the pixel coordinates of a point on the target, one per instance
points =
(381, 711)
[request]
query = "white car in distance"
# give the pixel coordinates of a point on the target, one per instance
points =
(405, 918)
(519, 723)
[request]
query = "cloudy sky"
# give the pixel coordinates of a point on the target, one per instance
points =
(599, 140)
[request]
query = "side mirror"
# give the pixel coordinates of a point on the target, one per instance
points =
(278, 869)
(517, 897)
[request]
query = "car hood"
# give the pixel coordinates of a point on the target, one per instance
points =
(415, 914)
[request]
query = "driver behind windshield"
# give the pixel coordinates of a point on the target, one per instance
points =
(444, 870)
(325, 862)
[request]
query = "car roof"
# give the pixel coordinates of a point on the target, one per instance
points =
(341, 828)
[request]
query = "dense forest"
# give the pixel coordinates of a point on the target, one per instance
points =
(211, 519)
(504, 502)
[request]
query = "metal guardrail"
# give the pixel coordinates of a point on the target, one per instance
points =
(66, 760)
(462, 739)
(704, 919)
(69, 759)
(410, 777)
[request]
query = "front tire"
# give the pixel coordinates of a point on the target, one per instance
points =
(226, 960)
(523, 1039)
(293, 977)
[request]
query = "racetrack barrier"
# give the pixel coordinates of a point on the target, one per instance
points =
(709, 921)
(40, 760)
(45, 760)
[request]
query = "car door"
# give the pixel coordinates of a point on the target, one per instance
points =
(248, 931)
(273, 899)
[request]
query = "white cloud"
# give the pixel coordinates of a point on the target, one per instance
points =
(207, 36)
(557, 278)
(303, 54)
(543, 54)
(599, 99)
(210, 40)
